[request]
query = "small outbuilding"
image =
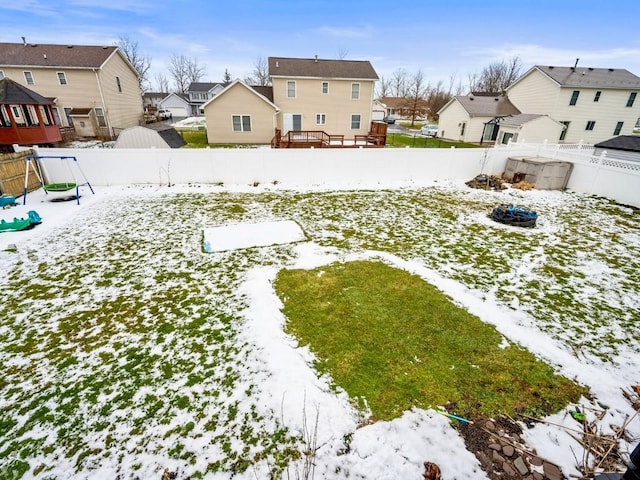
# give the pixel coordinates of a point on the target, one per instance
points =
(543, 173)
(622, 147)
(153, 135)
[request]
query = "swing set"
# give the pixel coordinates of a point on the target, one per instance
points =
(55, 187)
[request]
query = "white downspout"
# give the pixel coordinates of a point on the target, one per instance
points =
(104, 107)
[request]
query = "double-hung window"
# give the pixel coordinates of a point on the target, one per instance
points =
(325, 87)
(291, 89)
(100, 117)
(574, 97)
(62, 78)
(241, 123)
(590, 125)
(118, 84)
(618, 128)
(321, 118)
(355, 91)
(355, 121)
(28, 77)
(632, 98)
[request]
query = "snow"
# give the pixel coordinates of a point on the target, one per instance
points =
(291, 390)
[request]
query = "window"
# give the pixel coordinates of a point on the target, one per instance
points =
(632, 98)
(44, 114)
(28, 77)
(597, 97)
(1, 74)
(355, 121)
(590, 125)
(4, 117)
(618, 128)
(321, 118)
(291, 89)
(574, 97)
(241, 123)
(355, 91)
(563, 135)
(62, 78)
(56, 115)
(118, 84)
(506, 137)
(462, 128)
(325, 87)
(67, 113)
(102, 122)
(17, 114)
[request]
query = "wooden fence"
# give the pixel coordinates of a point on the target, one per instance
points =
(12, 173)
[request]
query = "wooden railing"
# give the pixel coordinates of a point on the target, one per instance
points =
(321, 139)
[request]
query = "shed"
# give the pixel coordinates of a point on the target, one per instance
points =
(623, 147)
(544, 173)
(153, 135)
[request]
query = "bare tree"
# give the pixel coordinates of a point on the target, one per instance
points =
(414, 102)
(496, 77)
(227, 76)
(260, 73)
(342, 53)
(399, 82)
(384, 87)
(140, 62)
(162, 83)
(184, 71)
(438, 97)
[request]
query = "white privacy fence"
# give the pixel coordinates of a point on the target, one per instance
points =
(333, 167)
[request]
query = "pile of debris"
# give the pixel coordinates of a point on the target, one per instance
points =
(487, 182)
(522, 185)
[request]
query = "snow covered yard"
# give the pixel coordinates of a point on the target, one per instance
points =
(126, 349)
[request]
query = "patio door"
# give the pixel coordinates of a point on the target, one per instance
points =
(292, 121)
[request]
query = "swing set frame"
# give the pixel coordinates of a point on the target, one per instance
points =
(54, 187)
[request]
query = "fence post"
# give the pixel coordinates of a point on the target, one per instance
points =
(601, 158)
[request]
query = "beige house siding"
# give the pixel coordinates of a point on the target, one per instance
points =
(536, 93)
(539, 130)
(239, 100)
(337, 104)
(124, 108)
(452, 119)
(83, 90)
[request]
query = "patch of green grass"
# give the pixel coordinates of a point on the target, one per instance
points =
(194, 138)
(389, 338)
(420, 141)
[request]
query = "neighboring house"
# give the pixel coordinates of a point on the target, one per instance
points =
(592, 103)
(177, 104)
(402, 108)
(155, 135)
(241, 114)
(379, 111)
(93, 86)
(200, 93)
(471, 118)
(26, 117)
(528, 127)
(624, 147)
(151, 100)
(334, 96)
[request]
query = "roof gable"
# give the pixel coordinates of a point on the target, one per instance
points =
(320, 68)
(205, 86)
(12, 92)
(485, 106)
(253, 90)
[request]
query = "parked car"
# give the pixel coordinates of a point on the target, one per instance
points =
(429, 130)
(389, 119)
(164, 114)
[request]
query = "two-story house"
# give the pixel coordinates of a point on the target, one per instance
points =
(592, 103)
(331, 96)
(201, 92)
(94, 88)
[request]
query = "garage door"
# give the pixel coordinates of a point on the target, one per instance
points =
(178, 111)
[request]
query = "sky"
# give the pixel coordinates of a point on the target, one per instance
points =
(446, 39)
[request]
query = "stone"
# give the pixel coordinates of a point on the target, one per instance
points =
(528, 477)
(508, 469)
(497, 457)
(508, 450)
(490, 425)
(536, 461)
(521, 466)
(552, 472)
(537, 476)
(495, 446)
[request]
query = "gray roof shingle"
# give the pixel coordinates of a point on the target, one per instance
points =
(12, 92)
(588, 77)
(45, 55)
(628, 143)
(320, 68)
(485, 106)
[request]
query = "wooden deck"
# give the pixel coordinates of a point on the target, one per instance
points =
(377, 137)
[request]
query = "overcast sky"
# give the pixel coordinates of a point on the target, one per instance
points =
(443, 38)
